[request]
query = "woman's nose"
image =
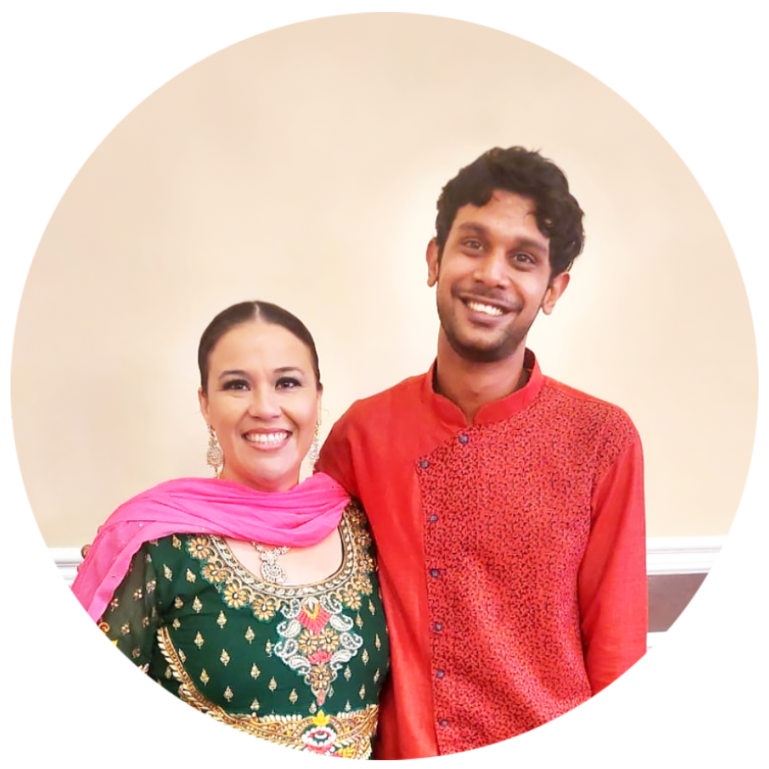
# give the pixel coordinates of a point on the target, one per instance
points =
(264, 403)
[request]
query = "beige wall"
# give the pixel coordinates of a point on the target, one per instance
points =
(302, 167)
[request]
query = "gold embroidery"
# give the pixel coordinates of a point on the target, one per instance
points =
(377, 641)
(255, 672)
(347, 673)
(221, 620)
(352, 731)
(178, 603)
(293, 697)
(176, 542)
(167, 573)
(204, 677)
(268, 648)
(273, 685)
(199, 640)
(364, 657)
(114, 604)
(169, 674)
(371, 607)
(190, 577)
(145, 622)
(228, 695)
(358, 621)
(362, 692)
(125, 628)
(138, 594)
(136, 652)
(150, 586)
(376, 675)
(176, 624)
(197, 604)
(240, 587)
(224, 657)
(250, 635)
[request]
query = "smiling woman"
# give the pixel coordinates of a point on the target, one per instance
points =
(249, 595)
(260, 393)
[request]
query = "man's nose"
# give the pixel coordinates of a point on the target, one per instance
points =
(492, 269)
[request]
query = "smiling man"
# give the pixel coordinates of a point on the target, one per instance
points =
(507, 507)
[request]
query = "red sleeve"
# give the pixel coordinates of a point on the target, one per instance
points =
(336, 457)
(613, 595)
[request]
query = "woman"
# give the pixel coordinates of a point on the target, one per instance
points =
(251, 596)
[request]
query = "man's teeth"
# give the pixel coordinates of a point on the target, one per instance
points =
(487, 309)
(266, 439)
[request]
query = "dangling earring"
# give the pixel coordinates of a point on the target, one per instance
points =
(314, 453)
(214, 455)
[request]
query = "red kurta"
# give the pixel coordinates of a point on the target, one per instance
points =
(511, 555)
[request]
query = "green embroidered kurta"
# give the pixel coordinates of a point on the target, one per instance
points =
(298, 665)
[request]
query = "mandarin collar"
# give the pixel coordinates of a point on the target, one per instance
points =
(504, 408)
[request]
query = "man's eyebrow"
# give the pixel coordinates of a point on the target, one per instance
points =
(470, 227)
(532, 245)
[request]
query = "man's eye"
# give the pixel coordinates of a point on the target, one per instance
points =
(473, 245)
(288, 383)
(523, 258)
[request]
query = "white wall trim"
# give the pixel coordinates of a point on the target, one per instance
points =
(681, 555)
(67, 559)
(664, 555)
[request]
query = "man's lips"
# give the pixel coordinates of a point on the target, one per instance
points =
(491, 308)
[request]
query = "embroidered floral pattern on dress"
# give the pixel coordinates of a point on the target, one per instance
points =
(317, 639)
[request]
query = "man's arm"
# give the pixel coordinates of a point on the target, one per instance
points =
(613, 593)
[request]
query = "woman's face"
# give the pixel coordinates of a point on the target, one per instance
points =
(263, 402)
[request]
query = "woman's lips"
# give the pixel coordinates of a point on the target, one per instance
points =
(267, 440)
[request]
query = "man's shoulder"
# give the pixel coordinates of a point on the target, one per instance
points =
(383, 404)
(577, 405)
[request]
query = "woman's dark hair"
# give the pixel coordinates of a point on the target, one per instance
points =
(526, 173)
(243, 313)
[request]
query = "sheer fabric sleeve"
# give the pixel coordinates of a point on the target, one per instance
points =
(132, 617)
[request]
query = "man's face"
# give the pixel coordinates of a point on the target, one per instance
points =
(493, 277)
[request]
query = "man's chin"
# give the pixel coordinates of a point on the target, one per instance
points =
(476, 351)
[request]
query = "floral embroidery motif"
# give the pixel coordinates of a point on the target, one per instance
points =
(317, 640)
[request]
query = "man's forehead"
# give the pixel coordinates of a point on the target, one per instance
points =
(503, 205)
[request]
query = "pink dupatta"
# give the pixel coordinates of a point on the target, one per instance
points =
(299, 517)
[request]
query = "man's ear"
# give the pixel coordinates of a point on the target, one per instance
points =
(432, 258)
(554, 292)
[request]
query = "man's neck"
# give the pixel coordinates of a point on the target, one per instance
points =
(472, 385)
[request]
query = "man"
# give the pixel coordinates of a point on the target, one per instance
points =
(507, 508)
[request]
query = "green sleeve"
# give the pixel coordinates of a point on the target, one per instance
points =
(132, 617)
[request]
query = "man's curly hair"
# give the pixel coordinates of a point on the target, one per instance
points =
(526, 173)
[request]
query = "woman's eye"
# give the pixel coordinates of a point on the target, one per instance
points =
(288, 383)
(235, 384)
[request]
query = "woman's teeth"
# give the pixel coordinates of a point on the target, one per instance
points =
(266, 439)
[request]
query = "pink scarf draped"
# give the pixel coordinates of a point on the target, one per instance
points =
(299, 517)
